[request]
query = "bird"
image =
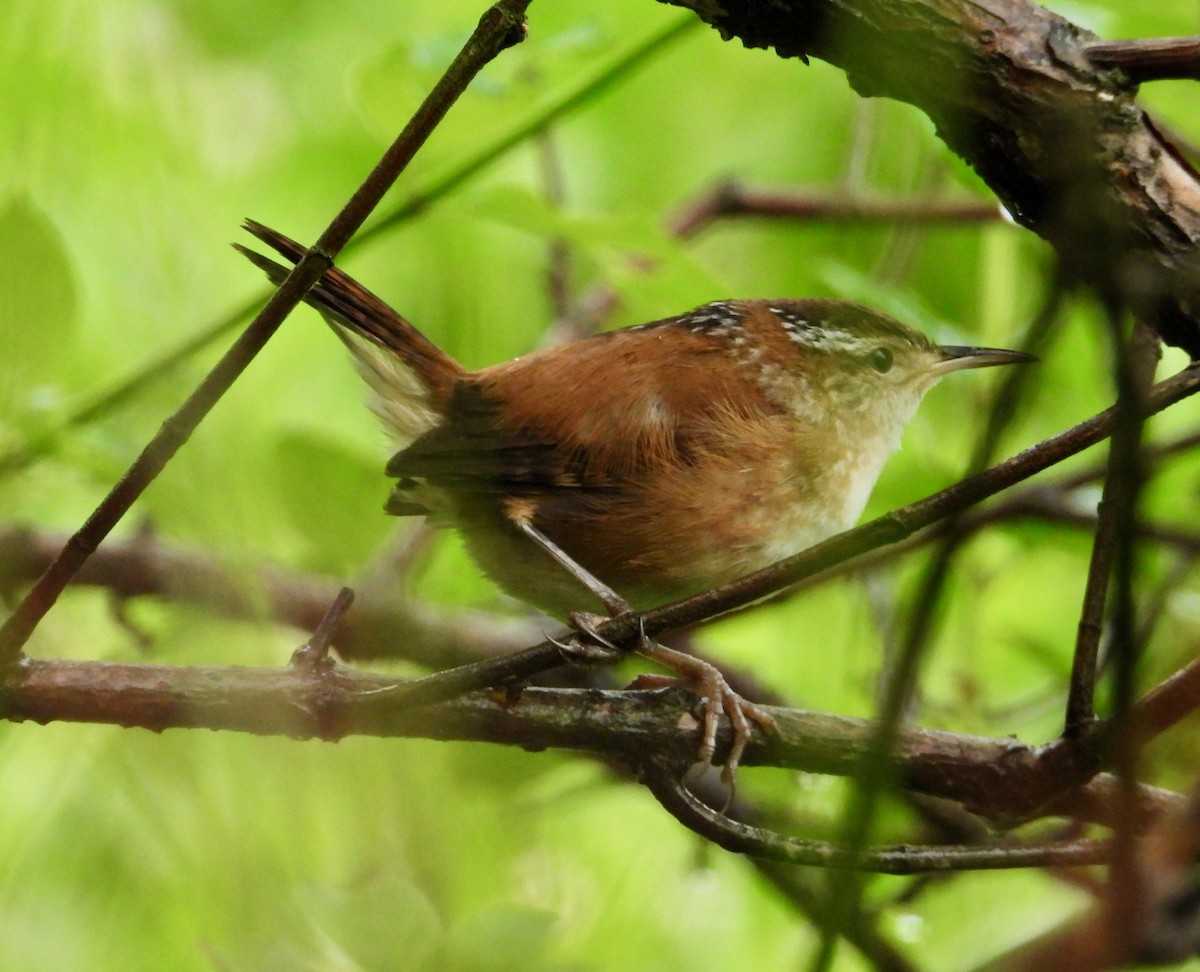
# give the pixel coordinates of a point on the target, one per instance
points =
(641, 465)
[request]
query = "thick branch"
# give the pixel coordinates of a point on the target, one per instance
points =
(1000, 778)
(1012, 90)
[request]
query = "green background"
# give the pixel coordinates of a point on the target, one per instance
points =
(135, 136)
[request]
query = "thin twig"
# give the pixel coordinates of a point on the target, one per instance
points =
(314, 653)
(440, 184)
(1047, 504)
(1117, 526)
(500, 27)
(1082, 686)
(743, 838)
(1153, 455)
(732, 199)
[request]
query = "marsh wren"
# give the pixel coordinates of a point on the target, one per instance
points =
(642, 465)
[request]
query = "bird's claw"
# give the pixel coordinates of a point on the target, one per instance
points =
(588, 647)
(717, 698)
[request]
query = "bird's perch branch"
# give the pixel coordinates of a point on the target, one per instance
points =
(1000, 778)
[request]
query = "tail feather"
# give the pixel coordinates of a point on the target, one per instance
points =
(411, 376)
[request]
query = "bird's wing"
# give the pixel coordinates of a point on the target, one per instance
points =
(587, 415)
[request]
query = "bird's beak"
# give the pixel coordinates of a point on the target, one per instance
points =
(957, 358)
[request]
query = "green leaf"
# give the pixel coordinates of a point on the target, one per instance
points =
(381, 923)
(500, 938)
(37, 292)
(334, 495)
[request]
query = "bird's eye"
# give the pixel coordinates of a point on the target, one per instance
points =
(881, 360)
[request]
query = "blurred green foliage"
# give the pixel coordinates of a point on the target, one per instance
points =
(134, 137)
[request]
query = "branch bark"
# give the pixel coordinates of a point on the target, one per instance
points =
(1001, 779)
(1012, 90)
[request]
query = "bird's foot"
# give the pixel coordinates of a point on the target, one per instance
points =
(717, 698)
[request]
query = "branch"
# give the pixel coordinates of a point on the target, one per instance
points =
(743, 838)
(1157, 59)
(999, 778)
(501, 26)
(378, 627)
(1011, 89)
(733, 199)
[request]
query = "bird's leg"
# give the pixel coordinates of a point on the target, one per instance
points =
(703, 678)
(612, 601)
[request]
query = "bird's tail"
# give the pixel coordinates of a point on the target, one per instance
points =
(411, 376)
